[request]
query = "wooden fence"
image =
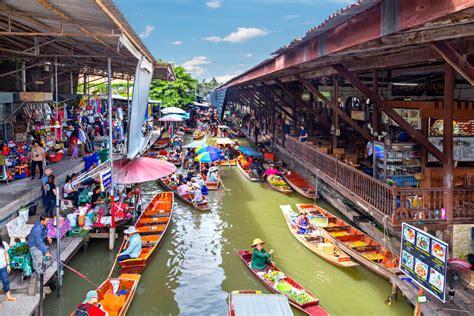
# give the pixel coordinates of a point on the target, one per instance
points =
(398, 203)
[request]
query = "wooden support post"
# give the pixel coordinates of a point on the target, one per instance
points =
(335, 117)
(84, 88)
(448, 197)
(335, 108)
(376, 108)
(415, 134)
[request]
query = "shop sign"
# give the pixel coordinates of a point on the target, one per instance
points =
(36, 96)
(424, 260)
(412, 116)
(6, 97)
(105, 179)
(463, 127)
(359, 115)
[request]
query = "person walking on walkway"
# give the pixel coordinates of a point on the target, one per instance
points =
(37, 158)
(4, 271)
(44, 182)
(51, 192)
(38, 248)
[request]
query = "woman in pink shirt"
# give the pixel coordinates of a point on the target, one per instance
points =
(272, 171)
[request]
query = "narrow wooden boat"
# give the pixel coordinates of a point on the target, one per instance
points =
(321, 246)
(152, 226)
(356, 244)
(161, 143)
(186, 199)
(198, 134)
(283, 188)
(116, 294)
(230, 162)
(243, 303)
(247, 174)
(213, 186)
(311, 307)
(299, 184)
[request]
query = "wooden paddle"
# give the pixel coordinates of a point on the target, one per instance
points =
(116, 257)
(225, 189)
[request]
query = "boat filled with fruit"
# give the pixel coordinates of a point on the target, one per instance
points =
(277, 183)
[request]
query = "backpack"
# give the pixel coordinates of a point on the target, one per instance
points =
(81, 310)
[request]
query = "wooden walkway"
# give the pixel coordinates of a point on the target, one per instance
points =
(26, 305)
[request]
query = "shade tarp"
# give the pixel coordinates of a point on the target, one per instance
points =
(196, 143)
(141, 169)
(141, 90)
(224, 141)
(173, 110)
(261, 304)
(249, 151)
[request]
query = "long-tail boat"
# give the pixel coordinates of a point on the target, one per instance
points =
(161, 143)
(356, 244)
(247, 173)
(277, 183)
(116, 294)
(230, 162)
(213, 186)
(202, 206)
(321, 246)
(299, 184)
(298, 296)
(152, 226)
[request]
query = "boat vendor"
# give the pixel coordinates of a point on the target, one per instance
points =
(260, 258)
(213, 175)
(96, 200)
(302, 223)
(271, 171)
(134, 244)
(90, 306)
(38, 248)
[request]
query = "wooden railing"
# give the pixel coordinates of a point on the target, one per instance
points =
(399, 204)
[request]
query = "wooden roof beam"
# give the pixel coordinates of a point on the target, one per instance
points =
(48, 5)
(265, 93)
(357, 83)
(334, 107)
(451, 56)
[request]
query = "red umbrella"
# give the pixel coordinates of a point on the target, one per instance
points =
(141, 169)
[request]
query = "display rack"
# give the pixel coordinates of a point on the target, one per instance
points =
(399, 162)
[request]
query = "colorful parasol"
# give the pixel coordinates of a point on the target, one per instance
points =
(208, 149)
(209, 157)
(172, 118)
(141, 169)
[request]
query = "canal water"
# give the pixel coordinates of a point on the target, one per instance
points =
(197, 264)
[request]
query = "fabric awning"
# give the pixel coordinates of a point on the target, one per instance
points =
(249, 151)
(224, 141)
(196, 143)
(261, 304)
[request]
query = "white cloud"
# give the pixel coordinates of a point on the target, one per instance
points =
(290, 16)
(226, 77)
(148, 29)
(214, 4)
(249, 55)
(194, 65)
(241, 35)
(177, 43)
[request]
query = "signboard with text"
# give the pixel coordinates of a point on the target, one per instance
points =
(105, 179)
(424, 260)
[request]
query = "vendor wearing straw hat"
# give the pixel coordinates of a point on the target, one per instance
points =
(134, 244)
(260, 257)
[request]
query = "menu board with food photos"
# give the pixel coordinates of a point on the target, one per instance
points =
(412, 116)
(424, 260)
(463, 148)
(464, 127)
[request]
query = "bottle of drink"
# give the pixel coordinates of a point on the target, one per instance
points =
(443, 213)
(437, 214)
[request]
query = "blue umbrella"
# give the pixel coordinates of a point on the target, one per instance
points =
(209, 157)
(208, 149)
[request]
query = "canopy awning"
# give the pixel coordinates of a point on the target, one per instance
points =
(224, 141)
(249, 151)
(261, 304)
(196, 143)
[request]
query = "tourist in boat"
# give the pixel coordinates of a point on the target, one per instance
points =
(271, 171)
(303, 134)
(174, 181)
(90, 306)
(260, 258)
(197, 194)
(4, 271)
(183, 189)
(134, 244)
(213, 175)
(246, 163)
(199, 181)
(256, 167)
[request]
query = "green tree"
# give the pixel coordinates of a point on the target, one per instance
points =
(174, 93)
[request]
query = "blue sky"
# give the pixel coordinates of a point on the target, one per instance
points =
(222, 38)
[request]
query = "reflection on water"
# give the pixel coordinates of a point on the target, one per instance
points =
(197, 264)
